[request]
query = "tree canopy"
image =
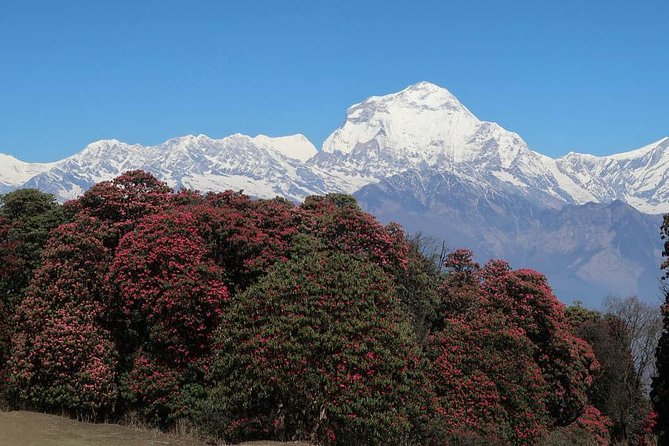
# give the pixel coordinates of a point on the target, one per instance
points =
(267, 320)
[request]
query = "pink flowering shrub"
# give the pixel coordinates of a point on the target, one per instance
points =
(486, 381)
(153, 389)
(169, 290)
(567, 362)
(647, 435)
(122, 201)
(171, 297)
(338, 221)
(9, 265)
(245, 237)
(503, 358)
(69, 365)
(590, 428)
(62, 357)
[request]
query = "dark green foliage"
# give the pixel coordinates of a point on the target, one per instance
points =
(27, 216)
(62, 358)
(615, 390)
(660, 387)
(340, 201)
(316, 350)
(25, 203)
(418, 285)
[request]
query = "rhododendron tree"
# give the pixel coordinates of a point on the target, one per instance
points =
(486, 380)
(591, 428)
(170, 291)
(10, 265)
(504, 360)
(647, 434)
(161, 393)
(27, 216)
(567, 362)
(123, 200)
(69, 365)
(317, 350)
(246, 237)
(171, 295)
(596, 425)
(281, 221)
(344, 227)
(62, 356)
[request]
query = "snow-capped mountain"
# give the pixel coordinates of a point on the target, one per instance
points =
(261, 166)
(14, 173)
(426, 126)
(422, 158)
(638, 177)
(422, 126)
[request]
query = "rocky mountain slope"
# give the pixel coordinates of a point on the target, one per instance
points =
(588, 251)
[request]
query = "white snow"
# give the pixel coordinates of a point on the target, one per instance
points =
(422, 120)
(507, 177)
(640, 152)
(14, 172)
(295, 146)
(566, 183)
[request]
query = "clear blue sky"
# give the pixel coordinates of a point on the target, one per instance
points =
(586, 75)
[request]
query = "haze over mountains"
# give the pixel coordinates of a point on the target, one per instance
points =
(421, 158)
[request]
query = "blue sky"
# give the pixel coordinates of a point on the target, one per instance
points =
(589, 76)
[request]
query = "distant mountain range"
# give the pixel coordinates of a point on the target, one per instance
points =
(421, 158)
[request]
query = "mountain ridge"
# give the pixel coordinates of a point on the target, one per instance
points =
(423, 125)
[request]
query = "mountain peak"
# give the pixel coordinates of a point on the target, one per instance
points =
(662, 144)
(104, 143)
(429, 88)
(425, 85)
(422, 119)
(105, 146)
(14, 172)
(423, 95)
